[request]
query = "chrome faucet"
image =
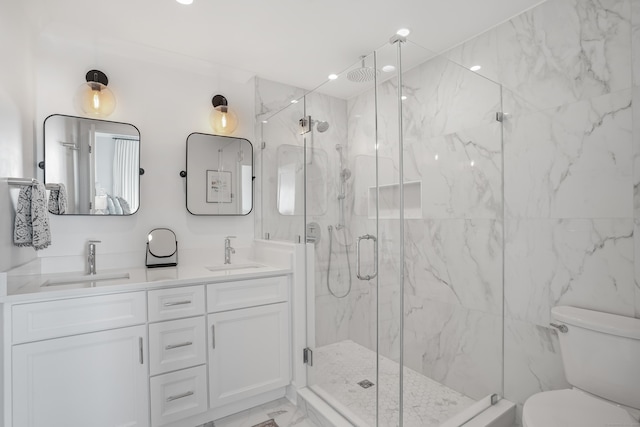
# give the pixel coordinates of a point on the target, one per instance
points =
(91, 256)
(228, 250)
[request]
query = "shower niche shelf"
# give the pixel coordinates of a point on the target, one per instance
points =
(390, 201)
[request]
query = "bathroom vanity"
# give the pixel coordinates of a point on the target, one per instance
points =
(176, 351)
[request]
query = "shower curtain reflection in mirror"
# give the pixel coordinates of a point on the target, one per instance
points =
(126, 171)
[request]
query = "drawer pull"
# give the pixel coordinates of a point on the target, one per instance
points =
(172, 346)
(140, 346)
(179, 396)
(171, 304)
(213, 336)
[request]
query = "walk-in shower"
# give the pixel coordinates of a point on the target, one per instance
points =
(405, 295)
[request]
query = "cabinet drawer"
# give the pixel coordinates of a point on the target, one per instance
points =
(176, 344)
(174, 303)
(246, 293)
(50, 319)
(178, 395)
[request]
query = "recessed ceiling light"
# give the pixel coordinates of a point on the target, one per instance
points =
(185, 1)
(475, 67)
(388, 68)
(403, 97)
(265, 121)
(333, 76)
(403, 32)
(294, 101)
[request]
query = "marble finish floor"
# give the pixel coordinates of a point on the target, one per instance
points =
(283, 412)
(339, 367)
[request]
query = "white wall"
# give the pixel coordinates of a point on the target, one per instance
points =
(570, 75)
(16, 129)
(166, 97)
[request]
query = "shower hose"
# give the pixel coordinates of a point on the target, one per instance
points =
(329, 263)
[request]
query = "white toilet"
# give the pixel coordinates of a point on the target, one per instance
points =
(601, 358)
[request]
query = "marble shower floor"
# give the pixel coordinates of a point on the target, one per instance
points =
(340, 366)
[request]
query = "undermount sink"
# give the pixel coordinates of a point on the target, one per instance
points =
(85, 278)
(231, 267)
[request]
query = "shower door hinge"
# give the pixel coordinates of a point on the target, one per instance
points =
(305, 125)
(307, 356)
(499, 116)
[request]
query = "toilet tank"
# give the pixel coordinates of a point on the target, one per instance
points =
(601, 353)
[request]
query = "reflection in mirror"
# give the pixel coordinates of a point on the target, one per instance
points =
(219, 175)
(96, 161)
(290, 160)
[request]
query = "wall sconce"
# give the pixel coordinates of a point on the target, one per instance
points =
(93, 97)
(223, 119)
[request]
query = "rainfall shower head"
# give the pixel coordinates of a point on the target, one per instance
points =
(362, 74)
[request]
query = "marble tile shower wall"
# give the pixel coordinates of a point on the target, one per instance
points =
(570, 71)
(568, 156)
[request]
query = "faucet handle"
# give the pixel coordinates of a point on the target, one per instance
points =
(94, 241)
(230, 237)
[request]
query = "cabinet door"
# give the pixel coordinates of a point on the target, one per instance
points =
(97, 380)
(248, 352)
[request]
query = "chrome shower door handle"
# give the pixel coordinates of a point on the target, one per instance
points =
(375, 254)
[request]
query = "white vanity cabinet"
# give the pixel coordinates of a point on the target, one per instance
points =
(72, 379)
(151, 357)
(249, 351)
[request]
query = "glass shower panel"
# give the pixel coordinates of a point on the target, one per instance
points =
(402, 166)
(453, 239)
(281, 169)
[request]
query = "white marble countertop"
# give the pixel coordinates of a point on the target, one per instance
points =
(34, 287)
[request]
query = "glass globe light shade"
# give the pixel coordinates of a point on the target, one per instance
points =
(95, 99)
(223, 120)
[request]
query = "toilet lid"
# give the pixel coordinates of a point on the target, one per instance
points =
(573, 408)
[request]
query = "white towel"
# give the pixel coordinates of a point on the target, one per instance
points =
(32, 219)
(58, 200)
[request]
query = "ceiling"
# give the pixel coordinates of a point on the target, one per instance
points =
(298, 42)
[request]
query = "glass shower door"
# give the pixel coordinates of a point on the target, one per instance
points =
(342, 309)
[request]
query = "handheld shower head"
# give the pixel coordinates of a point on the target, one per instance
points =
(322, 126)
